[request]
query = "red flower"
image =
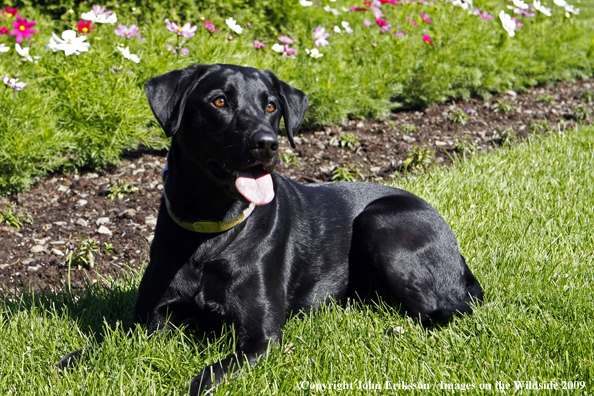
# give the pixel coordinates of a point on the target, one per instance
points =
(427, 39)
(381, 22)
(367, 3)
(11, 11)
(4, 30)
(85, 27)
(22, 29)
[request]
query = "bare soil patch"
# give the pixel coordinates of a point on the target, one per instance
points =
(69, 207)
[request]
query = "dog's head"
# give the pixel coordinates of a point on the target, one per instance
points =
(225, 119)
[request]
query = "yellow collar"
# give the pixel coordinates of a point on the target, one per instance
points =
(207, 227)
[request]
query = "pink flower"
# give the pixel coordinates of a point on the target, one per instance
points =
(3, 30)
(14, 83)
(367, 23)
(425, 17)
(230, 37)
(12, 12)
(427, 39)
(289, 50)
(285, 40)
(518, 22)
(381, 22)
(486, 16)
(187, 31)
(355, 8)
(377, 12)
(411, 21)
(399, 34)
(124, 31)
(22, 29)
(210, 27)
(259, 45)
(320, 37)
(100, 10)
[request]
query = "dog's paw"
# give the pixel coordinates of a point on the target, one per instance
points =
(70, 360)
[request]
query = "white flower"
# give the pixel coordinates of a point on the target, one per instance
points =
(278, 48)
(521, 4)
(347, 27)
(461, 3)
(4, 48)
(232, 23)
(24, 52)
(14, 83)
(572, 9)
(508, 24)
(332, 10)
(538, 6)
(306, 3)
(101, 18)
(560, 3)
(69, 43)
(314, 53)
(337, 29)
(128, 55)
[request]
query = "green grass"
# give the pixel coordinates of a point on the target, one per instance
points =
(523, 218)
(75, 112)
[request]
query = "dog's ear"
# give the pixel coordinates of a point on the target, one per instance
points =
(293, 102)
(167, 95)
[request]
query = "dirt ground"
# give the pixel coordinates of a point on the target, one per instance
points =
(72, 207)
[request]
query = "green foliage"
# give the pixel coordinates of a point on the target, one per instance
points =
(119, 189)
(459, 117)
(503, 106)
(540, 126)
(408, 128)
(108, 248)
(346, 173)
(349, 140)
(581, 113)
(464, 145)
(83, 110)
(546, 99)
(14, 216)
(419, 158)
(587, 96)
(289, 159)
(505, 137)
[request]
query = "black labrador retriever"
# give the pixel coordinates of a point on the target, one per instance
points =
(237, 243)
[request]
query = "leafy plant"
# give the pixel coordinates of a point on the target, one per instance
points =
(540, 126)
(408, 128)
(346, 173)
(81, 256)
(289, 159)
(581, 113)
(14, 216)
(419, 158)
(459, 117)
(464, 145)
(119, 189)
(349, 140)
(546, 98)
(505, 137)
(108, 248)
(587, 96)
(504, 106)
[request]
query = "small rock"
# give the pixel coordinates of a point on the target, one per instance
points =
(57, 243)
(27, 261)
(34, 268)
(60, 223)
(4, 266)
(408, 139)
(82, 222)
(92, 176)
(38, 249)
(375, 169)
(151, 221)
(104, 230)
(128, 214)
(62, 188)
(18, 234)
(57, 252)
(150, 239)
(440, 143)
(81, 202)
(102, 220)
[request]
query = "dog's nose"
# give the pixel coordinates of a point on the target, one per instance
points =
(264, 144)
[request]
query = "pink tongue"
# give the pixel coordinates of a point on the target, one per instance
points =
(255, 185)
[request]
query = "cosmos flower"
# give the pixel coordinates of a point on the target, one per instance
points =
(259, 45)
(232, 23)
(187, 30)
(85, 27)
(314, 53)
(130, 32)
(507, 23)
(320, 37)
(540, 8)
(4, 48)
(69, 43)
(22, 29)
(99, 15)
(14, 83)
(126, 53)
(285, 40)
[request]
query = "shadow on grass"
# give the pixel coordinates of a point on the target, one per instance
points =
(108, 302)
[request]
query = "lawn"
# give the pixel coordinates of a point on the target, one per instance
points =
(523, 218)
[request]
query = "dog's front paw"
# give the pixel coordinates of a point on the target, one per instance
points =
(206, 380)
(69, 360)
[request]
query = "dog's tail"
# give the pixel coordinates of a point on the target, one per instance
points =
(474, 295)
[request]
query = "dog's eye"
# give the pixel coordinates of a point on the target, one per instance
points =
(271, 107)
(220, 102)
